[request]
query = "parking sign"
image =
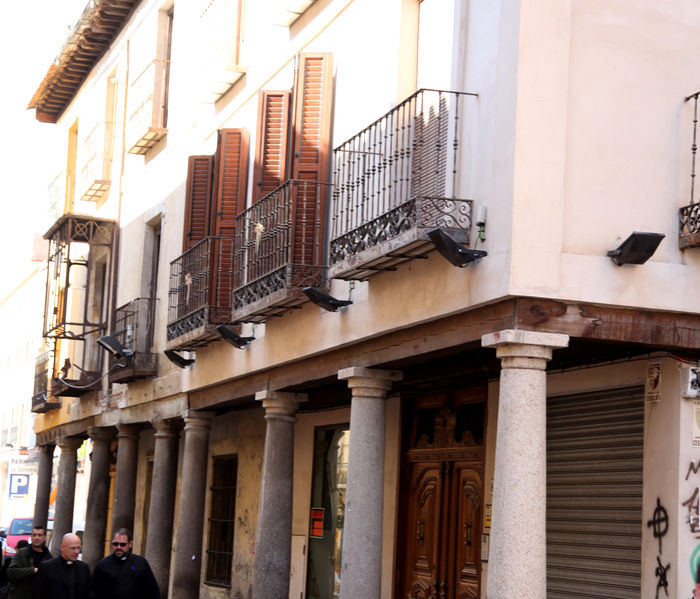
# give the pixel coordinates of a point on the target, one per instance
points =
(19, 485)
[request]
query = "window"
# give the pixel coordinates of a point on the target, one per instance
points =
(222, 520)
(327, 512)
(147, 110)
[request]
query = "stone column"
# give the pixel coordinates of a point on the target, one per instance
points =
(159, 536)
(43, 487)
(517, 559)
(273, 544)
(361, 563)
(98, 496)
(65, 495)
(125, 478)
(187, 543)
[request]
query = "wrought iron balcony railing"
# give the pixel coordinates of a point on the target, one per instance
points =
(396, 180)
(689, 232)
(200, 294)
(42, 399)
(134, 330)
(278, 250)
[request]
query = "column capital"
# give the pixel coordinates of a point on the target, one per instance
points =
(69, 443)
(99, 433)
(165, 428)
(195, 419)
(280, 405)
(128, 430)
(524, 349)
(369, 382)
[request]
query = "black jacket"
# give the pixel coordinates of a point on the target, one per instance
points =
(53, 580)
(130, 578)
(20, 573)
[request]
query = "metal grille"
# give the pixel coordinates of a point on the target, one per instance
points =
(594, 494)
(278, 242)
(689, 233)
(197, 284)
(400, 173)
(222, 521)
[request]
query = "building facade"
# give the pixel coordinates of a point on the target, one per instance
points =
(378, 299)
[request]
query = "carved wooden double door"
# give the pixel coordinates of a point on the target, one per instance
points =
(443, 511)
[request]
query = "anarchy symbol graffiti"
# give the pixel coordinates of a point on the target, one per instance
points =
(659, 522)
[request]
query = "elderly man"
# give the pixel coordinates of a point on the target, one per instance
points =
(123, 574)
(25, 564)
(65, 576)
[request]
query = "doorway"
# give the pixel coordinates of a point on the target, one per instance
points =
(442, 494)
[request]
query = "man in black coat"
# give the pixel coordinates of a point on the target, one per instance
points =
(22, 570)
(65, 576)
(123, 574)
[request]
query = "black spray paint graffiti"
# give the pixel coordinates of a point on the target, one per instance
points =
(693, 467)
(659, 522)
(692, 504)
(661, 574)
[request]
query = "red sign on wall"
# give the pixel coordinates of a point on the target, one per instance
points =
(316, 523)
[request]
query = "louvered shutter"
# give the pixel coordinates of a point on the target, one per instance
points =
(197, 200)
(231, 166)
(270, 167)
(313, 90)
(595, 459)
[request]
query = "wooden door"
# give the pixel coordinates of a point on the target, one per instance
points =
(440, 534)
(444, 515)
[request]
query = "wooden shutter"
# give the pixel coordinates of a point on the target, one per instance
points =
(230, 170)
(231, 166)
(270, 168)
(312, 117)
(313, 90)
(197, 200)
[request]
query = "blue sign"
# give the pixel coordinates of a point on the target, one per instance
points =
(19, 485)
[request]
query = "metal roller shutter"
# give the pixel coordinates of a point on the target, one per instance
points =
(594, 494)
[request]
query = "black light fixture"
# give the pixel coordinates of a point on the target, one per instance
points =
(325, 301)
(177, 359)
(114, 347)
(636, 249)
(232, 337)
(453, 251)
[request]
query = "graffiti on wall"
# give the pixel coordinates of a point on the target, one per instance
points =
(691, 507)
(659, 526)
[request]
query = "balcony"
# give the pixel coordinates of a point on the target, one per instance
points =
(134, 330)
(395, 181)
(42, 400)
(278, 251)
(148, 96)
(199, 298)
(689, 216)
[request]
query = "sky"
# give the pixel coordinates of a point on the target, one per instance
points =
(31, 35)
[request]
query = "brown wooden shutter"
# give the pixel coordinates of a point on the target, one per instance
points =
(270, 168)
(197, 200)
(231, 168)
(313, 89)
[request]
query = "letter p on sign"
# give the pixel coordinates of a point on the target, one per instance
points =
(19, 484)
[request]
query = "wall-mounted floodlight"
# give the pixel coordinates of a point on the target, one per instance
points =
(325, 301)
(453, 251)
(232, 337)
(177, 359)
(114, 347)
(636, 249)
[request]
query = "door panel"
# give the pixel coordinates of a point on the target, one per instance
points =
(467, 519)
(423, 529)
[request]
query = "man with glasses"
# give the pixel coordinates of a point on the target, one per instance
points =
(25, 563)
(123, 573)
